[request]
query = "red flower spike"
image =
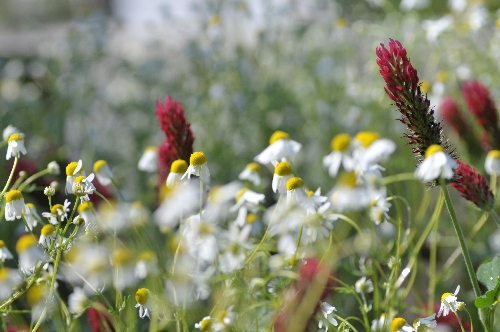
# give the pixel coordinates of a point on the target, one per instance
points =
(179, 137)
(451, 114)
(483, 108)
(99, 319)
(403, 87)
(473, 187)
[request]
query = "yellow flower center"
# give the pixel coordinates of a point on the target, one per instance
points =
(254, 167)
(2, 244)
(141, 296)
(79, 179)
(16, 137)
(56, 208)
(25, 242)
(251, 218)
(347, 179)
(34, 295)
(445, 295)
(179, 166)
(239, 194)
(283, 169)
(70, 169)
(397, 324)
(197, 159)
(121, 257)
(153, 149)
(341, 142)
(366, 138)
(294, 183)
(47, 229)
(206, 324)
(85, 206)
(493, 154)
(415, 322)
(98, 165)
(433, 149)
(278, 135)
(147, 255)
(30, 205)
(221, 315)
(310, 193)
(13, 195)
(4, 273)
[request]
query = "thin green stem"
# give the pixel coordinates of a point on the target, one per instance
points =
(33, 178)
(495, 217)
(10, 177)
(118, 190)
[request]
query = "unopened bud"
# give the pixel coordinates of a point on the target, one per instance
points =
(22, 174)
(78, 221)
(55, 185)
(49, 191)
(53, 168)
(461, 306)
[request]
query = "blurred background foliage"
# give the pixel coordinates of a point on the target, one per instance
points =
(81, 78)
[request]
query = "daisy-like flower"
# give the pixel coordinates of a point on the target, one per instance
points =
(280, 146)
(198, 166)
(77, 302)
(252, 173)
(9, 130)
(449, 303)
(296, 195)
(324, 316)
(47, 235)
(205, 324)
(202, 237)
(340, 154)
(177, 170)
(379, 324)
(246, 200)
(4, 252)
(282, 173)
(16, 146)
(178, 202)
(102, 172)
(146, 264)
(58, 212)
(379, 208)
(86, 211)
(224, 319)
(30, 255)
(149, 160)
(73, 170)
(437, 163)
(82, 187)
(9, 279)
(236, 244)
(348, 194)
(364, 285)
(143, 302)
(14, 205)
(492, 163)
(401, 325)
(370, 149)
(424, 324)
(124, 262)
(31, 216)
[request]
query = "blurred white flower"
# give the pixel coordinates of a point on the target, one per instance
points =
(280, 146)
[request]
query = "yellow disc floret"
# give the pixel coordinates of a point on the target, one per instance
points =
(25, 241)
(13, 195)
(79, 179)
(294, 183)
(206, 324)
(221, 315)
(47, 230)
(283, 169)
(445, 295)
(433, 149)
(494, 154)
(141, 296)
(197, 158)
(366, 138)
(16, 137)
(341, 142)
(278, 135)
(2, 244)
(85, 206)
(57, 209)
(34, 295)
(99, 164)
(4, 273)
(179, 166)
(121, 257)
(70, 169)
(239, 194)
(347, 179)
(254, 167)
(147, 255)
(251, 218)
(397, 324)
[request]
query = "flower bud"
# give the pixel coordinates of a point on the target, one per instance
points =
(49, 191)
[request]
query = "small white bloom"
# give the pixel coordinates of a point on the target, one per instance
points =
(379, 208)
(73, 170)
(341, 148)
(123, 261)
(401, 325)
(246, 200)
(77, 302)
(427, 322)
(177, 170)
(4, 252)
(198, 166)
(14, 205)
(370, 150)
(436, 164)
(149, 160)
(492, 163)
(364, 285)
(280, 146)
(30, 255)
(205, 324)
(282, 173)
(9, 130)
(449, 303)
(31, 216)
(251, 173)
(348, 195)
(178, 202)
(58, 212)
(147, 263)
(15, 146)
(53, 168)
(102, 172)
(324, 317)
(47, 235)
(296, 195)
(142, 297)
(82, 187)
(224, 320)
(9, 280)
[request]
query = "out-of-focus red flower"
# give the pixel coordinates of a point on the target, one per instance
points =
(473, 186)
(403, 87)
(451, 114)
(179, 137)
(99, 319)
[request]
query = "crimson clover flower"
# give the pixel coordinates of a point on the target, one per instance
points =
(473, 187)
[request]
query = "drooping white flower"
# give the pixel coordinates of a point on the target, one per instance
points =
(143, 302)
(348, 195)
(177, 170)
(251, 173)
(427, 322)
(437, 164)
(9, 130)
(58, 212)
(198, 166)
(280, 146)
(449, 303)
(103, 172)
(341, 154)
(77, 302)
(14, 205)
(325, 316)
(30, 255)
(15, 146)
(205, 324)
(4, 252)
(83, 186)
(370, 150)
(296, 195)
(149, 160)
(31, 216)
(401, 325)
(73, 170)
(282, 173)
(492, 163)
(9, 280)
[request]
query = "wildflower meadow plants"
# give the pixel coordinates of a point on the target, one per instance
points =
(266, 251)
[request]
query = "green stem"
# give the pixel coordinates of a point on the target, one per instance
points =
(495, 217)
(33, 178)
(10, 176)
(118, 190)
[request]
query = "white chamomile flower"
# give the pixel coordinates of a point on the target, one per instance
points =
(9, 279)
(143, 302)
(30, 255)
(177, 170)
(297, 195)
(224, 319)
(282, 173)
(423, 324)
(205, 324)
(87, 213)
(492, 163)
(364, 285)
(9, 130)
(379, 208)
(198, 166)
(82, 187)
(348, 194)
(370, 150)
(58, 212)
(340, 154)
(401, 325)
(147, 263)
(4, 252)
(437, 164)
(379, 324)
(102, 172)
(149, 160)
(15, 146)
(77, 302)
(14, 205)
(31, 216)
(280, 146)
(324, 316)
(73, 170)
(251, 173)
(47, 235)
(123, 261)
(449, 303)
